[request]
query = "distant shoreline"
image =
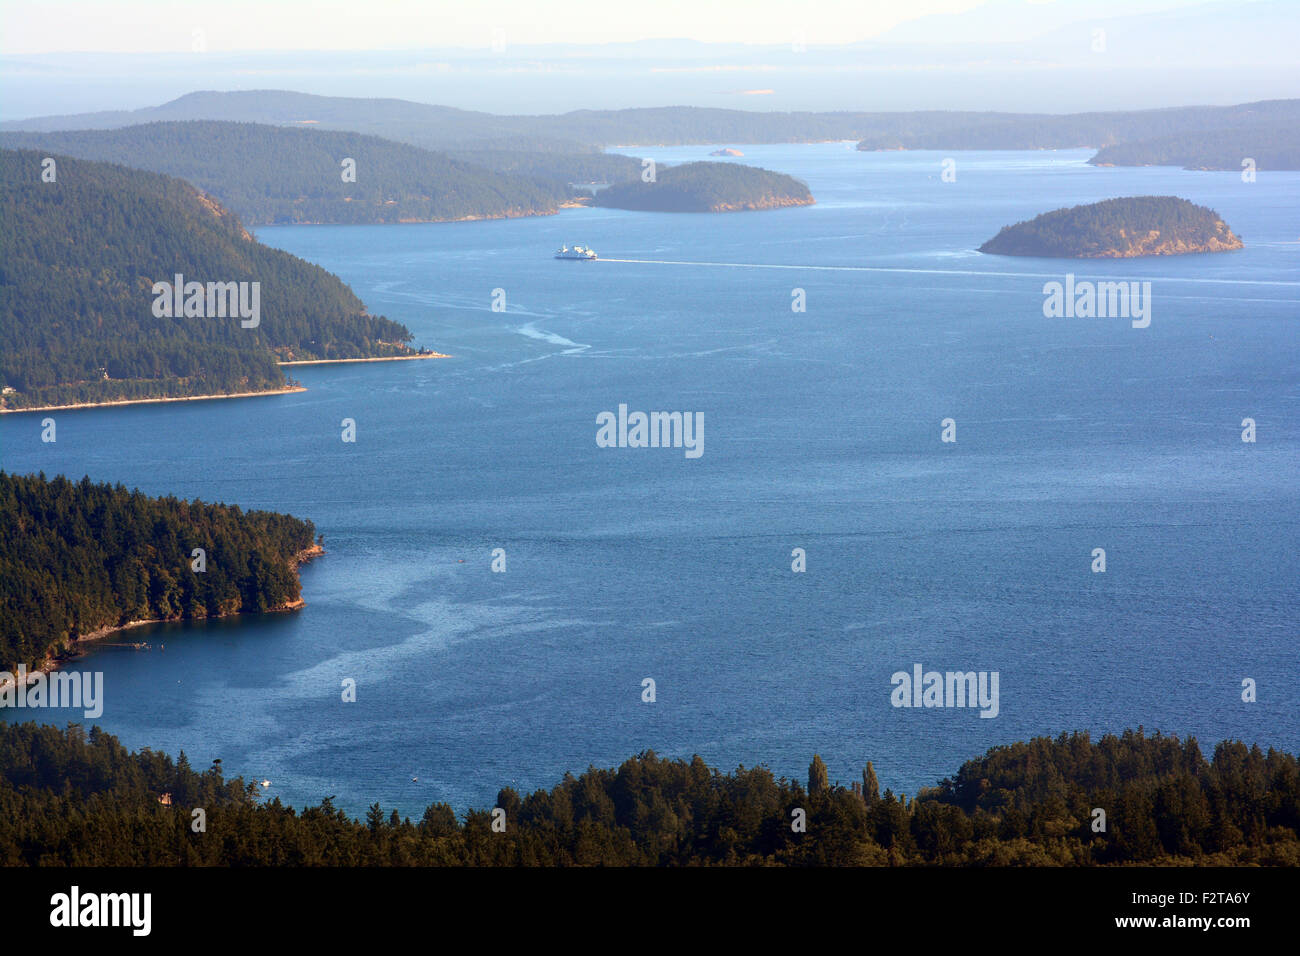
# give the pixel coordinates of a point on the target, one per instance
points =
(153, 401)
(494, 217)
(386, 358)
(795, 142)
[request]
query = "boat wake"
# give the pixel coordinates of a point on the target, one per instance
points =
(949, 272)
(531, 331)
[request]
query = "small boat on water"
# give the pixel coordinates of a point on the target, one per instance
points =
(577, 252)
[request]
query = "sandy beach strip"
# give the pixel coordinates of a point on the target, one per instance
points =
(152, 401)
(386, 358)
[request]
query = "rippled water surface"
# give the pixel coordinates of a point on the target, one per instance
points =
(822, 433)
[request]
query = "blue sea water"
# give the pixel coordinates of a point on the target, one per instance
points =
(822, 432)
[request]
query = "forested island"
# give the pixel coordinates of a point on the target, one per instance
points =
(78, 559)
(79, 323)
(708, 187)
(1117, 229)
(71, 797)
(1267, 147)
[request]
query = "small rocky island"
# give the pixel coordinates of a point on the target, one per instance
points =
(708, 187)
(726, 151)
(1118, 229)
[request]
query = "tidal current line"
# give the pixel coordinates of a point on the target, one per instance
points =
(949, 272)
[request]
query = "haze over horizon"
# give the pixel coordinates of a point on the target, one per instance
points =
(939, 54)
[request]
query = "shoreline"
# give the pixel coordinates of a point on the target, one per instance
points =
(51, 664)
(153, 401)
(288, 390)
(474, 217)
(723, 207)
(386, 358)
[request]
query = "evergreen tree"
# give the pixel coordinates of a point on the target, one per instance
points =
(870, 785)
(72, 797)
(818, 781)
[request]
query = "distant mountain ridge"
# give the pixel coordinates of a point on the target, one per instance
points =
(444, 128)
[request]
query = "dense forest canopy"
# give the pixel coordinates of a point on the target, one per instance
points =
(1268, 147)
(556, 171)
(707, 187)
(271, 174)
(79, 257)
(1134, 225)
(76, 557)
(78, 798)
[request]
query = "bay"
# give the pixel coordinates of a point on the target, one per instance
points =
(822, 432)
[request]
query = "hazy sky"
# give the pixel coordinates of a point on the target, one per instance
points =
(126, 26)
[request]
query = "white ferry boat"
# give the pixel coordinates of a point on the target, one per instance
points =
(577, 252)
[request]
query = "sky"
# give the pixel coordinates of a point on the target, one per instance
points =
(161, 26)
(543, 56)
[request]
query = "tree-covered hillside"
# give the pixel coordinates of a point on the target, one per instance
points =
(1117, 228)
(1269, 147)
(271, 174)
(553, 169)
(79, 258)
(72, 798)
(708, 187)
(77, 556)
